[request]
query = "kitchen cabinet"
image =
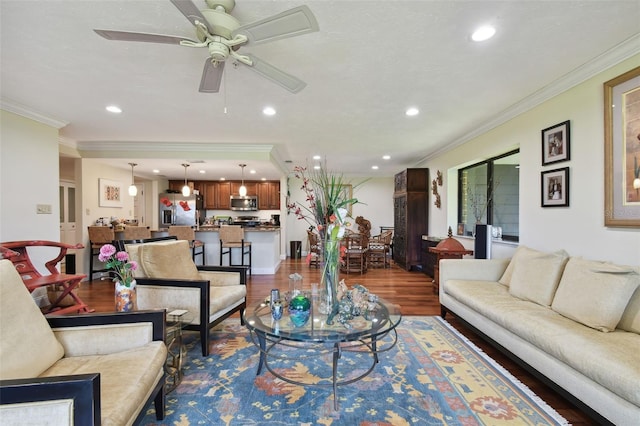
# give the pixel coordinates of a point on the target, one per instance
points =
(216, 195)
(251, 188)
(177, 185)
(410, 211)
(269, 195)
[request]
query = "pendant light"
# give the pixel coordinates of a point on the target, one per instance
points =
(186, 191)
(243, 189)
(133, 189)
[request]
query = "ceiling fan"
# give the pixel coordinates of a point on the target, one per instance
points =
(223, 35)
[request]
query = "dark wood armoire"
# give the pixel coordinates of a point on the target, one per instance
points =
(410, 221)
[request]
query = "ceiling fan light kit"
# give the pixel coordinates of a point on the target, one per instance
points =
(223, 35)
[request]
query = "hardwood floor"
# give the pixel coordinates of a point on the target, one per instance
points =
(411, 290)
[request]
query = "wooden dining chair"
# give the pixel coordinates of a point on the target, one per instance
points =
(315, 249)
(379, 250)
(355, 254)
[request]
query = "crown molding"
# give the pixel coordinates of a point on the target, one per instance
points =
(597, 65)
(16, 108)
(155, 147)
(71, 143)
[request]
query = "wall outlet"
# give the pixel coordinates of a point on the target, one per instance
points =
(43, 209)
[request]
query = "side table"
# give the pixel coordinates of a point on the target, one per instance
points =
(177, 352)
(449, 248)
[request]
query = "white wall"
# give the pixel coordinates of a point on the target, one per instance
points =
(26, 180)
(91, 170)
(579, 228)
(375, 194)
(28, 176)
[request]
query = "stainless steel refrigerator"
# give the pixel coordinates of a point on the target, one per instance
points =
(176, 209)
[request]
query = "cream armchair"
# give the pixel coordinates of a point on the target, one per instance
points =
(88, 369)
(169, 279)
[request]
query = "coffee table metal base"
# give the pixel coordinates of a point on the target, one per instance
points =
(268, 343)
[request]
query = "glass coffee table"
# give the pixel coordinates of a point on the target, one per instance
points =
(280, 340)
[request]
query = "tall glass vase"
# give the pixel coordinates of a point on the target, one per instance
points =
(330, 278)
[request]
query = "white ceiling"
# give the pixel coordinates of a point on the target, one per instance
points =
(367, 64)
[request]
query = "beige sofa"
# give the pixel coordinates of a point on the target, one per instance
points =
(168, 278)
(85, 369)
(576, 322)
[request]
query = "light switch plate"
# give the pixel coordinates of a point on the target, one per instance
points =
(43, 208)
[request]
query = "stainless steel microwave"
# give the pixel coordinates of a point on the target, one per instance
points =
(246, 203)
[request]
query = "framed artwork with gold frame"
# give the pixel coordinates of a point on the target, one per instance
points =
(622, 150)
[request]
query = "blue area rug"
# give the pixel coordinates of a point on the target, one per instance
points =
(433, 376)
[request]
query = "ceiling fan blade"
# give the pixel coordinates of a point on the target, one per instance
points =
(289, 82)
(290, 23)
(144, 37)
(191, 12)
(211, 76)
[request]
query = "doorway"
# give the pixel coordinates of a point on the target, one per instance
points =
(139, 209)
(68, 232)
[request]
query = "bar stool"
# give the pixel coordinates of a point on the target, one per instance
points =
(232, 236)
(189, 234)
(98, 236)
(136, 232)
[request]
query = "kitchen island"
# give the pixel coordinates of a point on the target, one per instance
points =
(265, 246)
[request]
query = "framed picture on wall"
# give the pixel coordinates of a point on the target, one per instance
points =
(110, 193)
(556, 143)
(554, 187)
(622, 150)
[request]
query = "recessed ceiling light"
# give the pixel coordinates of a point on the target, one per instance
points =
(114, 109)
(374, 167)
(412, 111)
(386, 157)
(483, 33)
(316, 167)
(253, 172)
(202, 172)
(269, 111)
(222, 178)
(263, 179)
(316, 157)
(156, 171)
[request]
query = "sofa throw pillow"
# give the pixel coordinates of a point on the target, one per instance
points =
(536, 275)
(134, 255)
(169, 260)
(630, 320)
(595, 293)
(29, 345)
(508, 273)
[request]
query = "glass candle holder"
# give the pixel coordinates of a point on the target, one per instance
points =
(295, 285)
